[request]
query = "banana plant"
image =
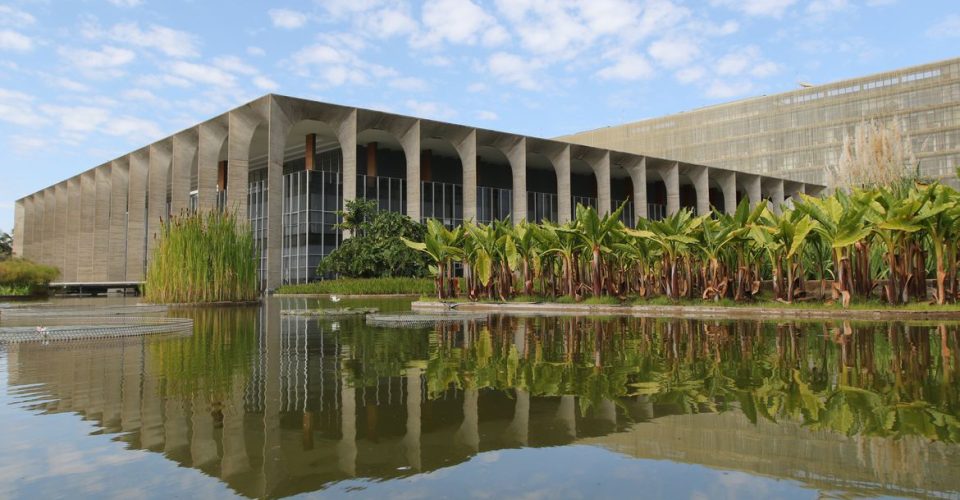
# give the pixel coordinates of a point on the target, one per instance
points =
(444, 247)
(675, 237)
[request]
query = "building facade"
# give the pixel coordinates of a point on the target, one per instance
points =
(798, 134)
(99, 226)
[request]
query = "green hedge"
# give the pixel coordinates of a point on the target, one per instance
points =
(363, 286)
(23, 277)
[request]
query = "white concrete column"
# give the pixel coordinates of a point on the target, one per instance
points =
(467, 150)
(210, 139)
(60, 238)
(176, 431)
(86, 236)
(137, 214)
(184, 159)
(347, 447)
(347, 135)
(637, 168)
(411, 440)
(131, 397)
(728, 185)
(235, 458)
(775, 190)
(242, 126)
(203, 447)
(469, 431)
(561, 166)
(277, 130)
(567, 413)
(516, 153)
(101, 241)
(157, 182)
(671, 179)
(601, 169)
(520, 425)
(273, 458)
(701, 184)
(117, 267)
(409, 137)
(19, 219)
(751, 183)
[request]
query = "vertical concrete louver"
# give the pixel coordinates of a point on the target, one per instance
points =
(61, 228)
(157, 182)
(101, 231)
(73, 234)
(119, 177)
(184, 160)
(137, 214)
(211, 137)
(88, 212)
(18, 227)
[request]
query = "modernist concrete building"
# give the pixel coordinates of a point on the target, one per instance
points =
(98, 227)
(797, 134)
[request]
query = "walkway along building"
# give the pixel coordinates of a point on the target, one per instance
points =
(798, 134)
(99, 226)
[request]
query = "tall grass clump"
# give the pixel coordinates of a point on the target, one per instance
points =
(363, 286)
(202, 258)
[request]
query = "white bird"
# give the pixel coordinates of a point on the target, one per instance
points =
(334, 298)
(42, 331)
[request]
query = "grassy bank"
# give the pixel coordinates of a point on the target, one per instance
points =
(23, 278)
(363, 286)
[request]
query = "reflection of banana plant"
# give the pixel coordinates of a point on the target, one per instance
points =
(777, 372)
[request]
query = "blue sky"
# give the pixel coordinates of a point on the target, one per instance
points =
(84, 81)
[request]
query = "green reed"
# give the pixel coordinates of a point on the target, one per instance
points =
(201, 258)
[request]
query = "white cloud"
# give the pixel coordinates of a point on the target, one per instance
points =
(17, 42)
(388, 22)
(765, 69)
(26, 144)
(126, 3)
(628, 66)
(256, 51)
(433, 110)
(17, 108)
(949, 27)
(130, 126)
(76, 121)
(438, 61)
(68, 84)
(171, 42)
(513, 69)
(459, 22)
(674, 52)
(690, 75)
(234, 64)
(821, 8)
(140, 95)
(287, 19)
(202, 73)
(487, 115)
(721, 89)
(105, 62)
(477, 87)
(409, 83)
(768, 8)
(264, 83)
(11, 16)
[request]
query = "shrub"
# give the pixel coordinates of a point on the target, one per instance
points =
(23, 277)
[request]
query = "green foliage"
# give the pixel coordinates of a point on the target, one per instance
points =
(882, 240)
(6, 245)
(21, 277)
(375, 248)
(203, 258)
(363, 286)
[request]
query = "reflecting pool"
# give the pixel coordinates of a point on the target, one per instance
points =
(260, 404)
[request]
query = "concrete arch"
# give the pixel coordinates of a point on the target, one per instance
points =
(723, 190)
(542, 179)
(496, 175)
(441, 172)
(211, 148)
(382, 159)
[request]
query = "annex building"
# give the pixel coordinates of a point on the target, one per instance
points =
(290, 164)
(795, 134)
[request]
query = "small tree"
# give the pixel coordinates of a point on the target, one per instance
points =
(375, 249)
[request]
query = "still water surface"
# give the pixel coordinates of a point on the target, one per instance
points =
(258, 404)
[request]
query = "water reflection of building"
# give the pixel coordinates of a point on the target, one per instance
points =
(300, 419)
